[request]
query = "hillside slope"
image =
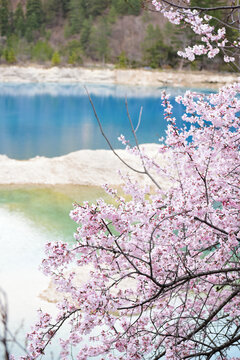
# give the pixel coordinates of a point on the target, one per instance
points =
(81, 32)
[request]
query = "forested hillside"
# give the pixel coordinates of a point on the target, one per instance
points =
(91, 32)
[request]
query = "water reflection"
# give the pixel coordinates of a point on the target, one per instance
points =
(22, 245)
(55, 119)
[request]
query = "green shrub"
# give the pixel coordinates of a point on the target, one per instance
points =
(112, 15)
(74, 59)
(135, 64)
(73, 52)
(12, 41)
(122, 62)
(56, 58)
(9, 56)
(42, 51)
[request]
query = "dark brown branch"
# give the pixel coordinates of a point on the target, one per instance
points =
(203, 325)
(217, 349)
(212, 226)
(181, 281)
(106, 138)
(200, 8)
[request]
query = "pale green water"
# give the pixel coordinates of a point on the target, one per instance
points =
(31, 216)
(49, 206)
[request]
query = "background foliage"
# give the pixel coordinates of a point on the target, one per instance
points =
(87, 32)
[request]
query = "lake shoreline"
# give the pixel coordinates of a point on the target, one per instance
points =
(144, 77)
(83, 167)
(91, 167)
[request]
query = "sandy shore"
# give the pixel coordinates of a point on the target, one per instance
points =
(83, 167)
(21, 74)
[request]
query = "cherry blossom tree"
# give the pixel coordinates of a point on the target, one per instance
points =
(164, 264)
(210, 40)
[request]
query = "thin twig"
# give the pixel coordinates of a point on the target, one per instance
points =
(106, 138)
(139, 150)
(139, 119)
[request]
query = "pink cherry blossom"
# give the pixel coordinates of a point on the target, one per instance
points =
(163, 263)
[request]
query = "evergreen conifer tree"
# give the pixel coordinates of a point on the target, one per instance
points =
(77, 14)
(85, 33)
(96, 7)
(156, 52)
(4, 17)
(65, 7)
(127, 7)
(19, 20)
(103, 48)
(53, 11)
(98, 41)
(34, 17)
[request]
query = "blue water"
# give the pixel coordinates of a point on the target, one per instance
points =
(55, 119)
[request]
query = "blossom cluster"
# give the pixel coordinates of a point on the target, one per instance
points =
(211, 40)
(163, 264)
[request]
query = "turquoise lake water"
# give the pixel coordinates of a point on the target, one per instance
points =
(55, 119)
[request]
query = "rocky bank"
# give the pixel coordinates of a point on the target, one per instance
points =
(21, 74)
